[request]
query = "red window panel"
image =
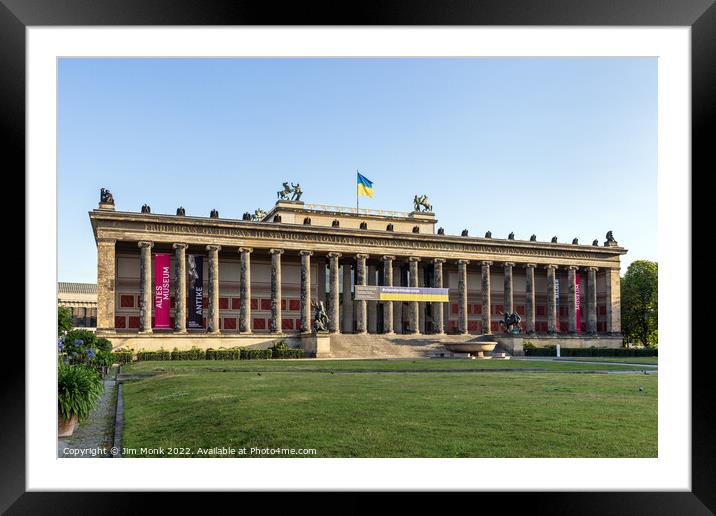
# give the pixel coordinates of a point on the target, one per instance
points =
(499, 309)
(254, 304)
(541, 310)
(133, 321)
(297, 323)
(120, 321)
(494, 325)
(601, 326)
(223, 303)
(126, 301)
(283, 304)
(206, 301)
(294, 304)
(229, 323)
(259, 323)
(478, 309)
(521, 309)
(204, 323)
(172, 302)
(235, 303)
(454, 308)
(471, 325)
(602, 309)
(452, 326)
(583, 327)
(265, 304)
(152, 322)
(563, 311)
(287, 324)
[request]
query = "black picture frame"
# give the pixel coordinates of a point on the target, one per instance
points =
(700, 15)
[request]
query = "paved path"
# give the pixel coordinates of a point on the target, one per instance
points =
(93, 437)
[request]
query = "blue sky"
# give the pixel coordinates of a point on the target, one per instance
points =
(561, 146)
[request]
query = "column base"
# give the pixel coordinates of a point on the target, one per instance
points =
(180, 332)
(145, 332)
(388, 333)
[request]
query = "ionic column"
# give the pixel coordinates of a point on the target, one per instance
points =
(486, 304)
(388, 305)
(334, 306)
(509, 305)
(212, 322)
(180, 288)
(361, 313)
(438, 313)
(106, 273)
(397, 305)
(347, 325)
(572, 282)
(276, 316)
(551, 299)
(414, 308)
(530, 298)
(462, 296)
(245, 290)
(422, 305)
(372, 305)
(614, 308)
(592, 300)
(145, 285)
(306, 326)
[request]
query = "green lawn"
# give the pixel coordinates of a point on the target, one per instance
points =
(300, 404)
(626, 360)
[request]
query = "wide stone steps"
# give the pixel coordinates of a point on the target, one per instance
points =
(392, 346)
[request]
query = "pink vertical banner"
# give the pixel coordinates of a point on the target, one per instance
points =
(577, 302)
(161, 290)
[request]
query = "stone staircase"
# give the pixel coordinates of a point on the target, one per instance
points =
(392, 346)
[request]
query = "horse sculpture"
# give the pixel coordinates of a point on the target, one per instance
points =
(294, 191)
(422, 201)
(283, 194)
(106, 196)
(511, 322)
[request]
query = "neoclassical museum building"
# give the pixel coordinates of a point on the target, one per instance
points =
(177, 281)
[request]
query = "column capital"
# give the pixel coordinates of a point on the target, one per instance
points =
(439, 260)
(305, 253)
(213, 247)
(531, 265)
(592, 269)
(179, 245)
(145, 244)
(107, 241)
(551, 266)
(276, 251)
(509, 264)
(463, 262)
(572, 267)
(362, 256)
(486, 263)
(414, 258)
(248, 250)
(388, 258)
(334, 255)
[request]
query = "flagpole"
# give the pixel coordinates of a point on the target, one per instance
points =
(357, 210)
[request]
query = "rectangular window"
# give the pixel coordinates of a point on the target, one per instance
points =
(541, 310)
(265, 304)
(230, 323)
(454, 308)
(254, 304)
(260, 324)
(294, 305)
(520, 309)
(120, 321)
(287, 324)
(126, 301)
(235, 303)
(471, 325)
(133, 322)
(223, 303)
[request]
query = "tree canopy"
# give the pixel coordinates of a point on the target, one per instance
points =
(639, 299)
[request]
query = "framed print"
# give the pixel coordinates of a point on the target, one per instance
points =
(153, 137)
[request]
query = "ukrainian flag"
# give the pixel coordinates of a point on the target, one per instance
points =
(365, 185)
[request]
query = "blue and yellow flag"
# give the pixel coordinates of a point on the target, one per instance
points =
(365, 186)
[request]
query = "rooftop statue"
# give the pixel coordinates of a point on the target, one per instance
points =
(246, 216)
(488, 234)
(214, 214)
(180, 211)
(533, 238)
(146, 209)
(595, 242)
(297, 192)
(258, 215)
(575, 241)
(610, 239)
(106, 196)
(422, 201)
(511, 236)
(554, 239)
(294, 191)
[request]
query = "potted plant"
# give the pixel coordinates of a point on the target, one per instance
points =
(78, 389)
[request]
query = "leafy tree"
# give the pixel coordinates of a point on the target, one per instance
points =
(639, 297)
(64, 320)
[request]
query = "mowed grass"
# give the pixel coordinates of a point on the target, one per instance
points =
(626, 360)
(363, 365)
(386, 414)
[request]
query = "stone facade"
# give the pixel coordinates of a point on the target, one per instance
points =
(262, 276)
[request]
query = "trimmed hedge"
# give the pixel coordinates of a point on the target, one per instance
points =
(121, 357)
(192, 354)
(277, 352)
(256, 354)
(287, 353)
(551, 351)
(223, 354)
(154, 355)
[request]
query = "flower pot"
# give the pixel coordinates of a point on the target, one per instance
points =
(66, 426)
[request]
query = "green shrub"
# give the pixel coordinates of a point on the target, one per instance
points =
(64, 320)
(103, 344)
(76, 341)
(550, 351)
(193, 354)
(121, 356)
(223, 354)
(78, 389)
(255, 354)
(528, 345)
(287, 353)
(144, 356)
